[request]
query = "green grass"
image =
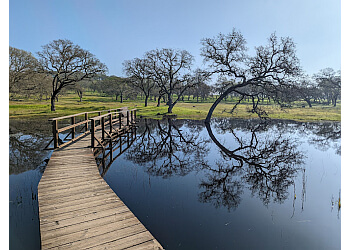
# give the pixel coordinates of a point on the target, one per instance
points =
(69, 104)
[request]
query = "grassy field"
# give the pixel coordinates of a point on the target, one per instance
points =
(69, 104)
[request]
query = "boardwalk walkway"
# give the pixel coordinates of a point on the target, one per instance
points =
(78, 210)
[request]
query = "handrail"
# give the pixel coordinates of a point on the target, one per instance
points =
(72, 126)
(90, 112)
(101, 118)
(129, 120)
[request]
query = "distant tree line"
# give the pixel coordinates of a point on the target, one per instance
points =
(166, 75)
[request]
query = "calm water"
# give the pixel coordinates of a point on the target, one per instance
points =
(27, 163)
(234, 185)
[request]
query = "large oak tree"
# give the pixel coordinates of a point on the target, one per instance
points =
(22, 69)
(170, 69)
(268, 71)
(329, 81)
(138, 71)
(68, 64)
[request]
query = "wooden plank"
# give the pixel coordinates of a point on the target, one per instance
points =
(75, 220)
(106, 237)
(78, 237)
(46, 185)
(72, 207)
(77, 208)
(130, 241)
(69, 187)
(65, 213)
(77, 193)
(49, 234)
(63, 201)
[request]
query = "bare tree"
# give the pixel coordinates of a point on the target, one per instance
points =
(68, 64)
(138, 71)
(306, 89)
(329, 81)
(170, 69)
(22, 68)
(270, 68)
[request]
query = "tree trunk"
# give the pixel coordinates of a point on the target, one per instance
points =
(308, 102)
(217, 101)
(159, 97)
(121, 98)
(53, 108)
(170, 103)
(334, 101)
(170, 108)
(146, 99)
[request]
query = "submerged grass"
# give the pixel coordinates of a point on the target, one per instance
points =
(69, 104)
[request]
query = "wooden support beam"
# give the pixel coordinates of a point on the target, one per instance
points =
(92, 130)
(103, 127)
(86, 124)
(127, 118)
(73, 128)
(111, 123)
(55, 134)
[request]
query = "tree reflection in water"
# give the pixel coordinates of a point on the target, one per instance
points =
(27, 139)
(263, 162)
(166, 149)
(267, 163)
(324, 135)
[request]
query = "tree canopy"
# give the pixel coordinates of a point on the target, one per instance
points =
(68, 64)
(22, 68)
(270, 69)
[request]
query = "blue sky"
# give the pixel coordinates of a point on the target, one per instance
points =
(118, 30)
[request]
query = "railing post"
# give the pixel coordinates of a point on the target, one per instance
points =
(103, 127)
(87, 123)
(55, 133)
(99, 120)
(120, 119)
(92, 133)
(73, 129)
(127, 117)
(110, 124)
(135, 116)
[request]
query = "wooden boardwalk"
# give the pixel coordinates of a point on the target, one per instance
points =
(78, 210)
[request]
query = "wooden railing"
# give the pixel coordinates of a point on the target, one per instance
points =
(111, 125)
(112, 149)
(80, 123)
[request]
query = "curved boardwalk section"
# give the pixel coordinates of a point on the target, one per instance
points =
(78, 210)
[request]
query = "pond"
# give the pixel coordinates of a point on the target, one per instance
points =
(236, 184)
(27, 161)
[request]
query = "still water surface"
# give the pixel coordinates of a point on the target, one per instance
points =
(234, 185)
